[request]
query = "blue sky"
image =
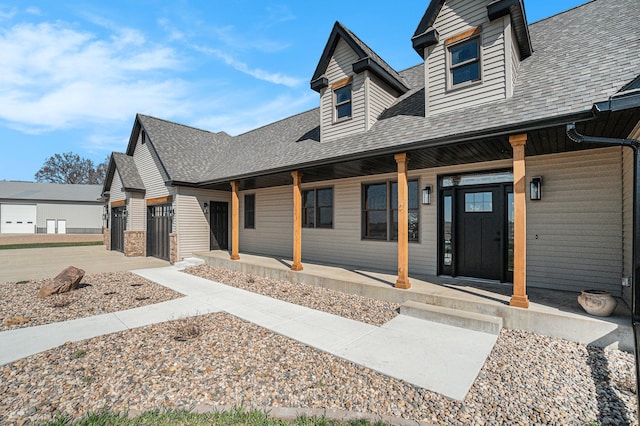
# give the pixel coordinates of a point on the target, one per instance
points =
(74, 73)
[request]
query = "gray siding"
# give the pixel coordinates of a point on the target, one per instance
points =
(574, 238)
(577, 224)
(514, 54)
(80, 218)
(115, 192)
(137, 213)
(379, 97)
(340, 66)
(273, 233)
(190, 222)
(457, 16)
(151, 176)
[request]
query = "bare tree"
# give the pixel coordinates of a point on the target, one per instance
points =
(71, 168)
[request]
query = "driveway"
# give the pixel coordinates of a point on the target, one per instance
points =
(36, 263)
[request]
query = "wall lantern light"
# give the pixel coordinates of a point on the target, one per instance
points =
(426, 195)
(536, 188)
(205, 208)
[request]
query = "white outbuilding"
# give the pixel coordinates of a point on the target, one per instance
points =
(50, 208)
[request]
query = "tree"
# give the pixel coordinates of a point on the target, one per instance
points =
(71, 168)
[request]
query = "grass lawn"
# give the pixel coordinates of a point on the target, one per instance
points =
(169, 418)
(45, 245)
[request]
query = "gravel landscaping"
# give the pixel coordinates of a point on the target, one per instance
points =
(218, 359)
(359, 308)
(97, 294)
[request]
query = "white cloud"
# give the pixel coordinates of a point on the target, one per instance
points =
(33, 11)
(241, 120)
(57, 77)
(275, 78)
(6, 14)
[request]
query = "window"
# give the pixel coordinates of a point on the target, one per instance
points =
(464, 62)
(250, 211)
(478, 202)
(380, 211)
(317, 208)
(342, 101)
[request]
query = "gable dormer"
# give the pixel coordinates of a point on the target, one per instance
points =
(472, 51)
(355, 85)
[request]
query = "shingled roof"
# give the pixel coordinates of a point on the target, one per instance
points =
(128, 172)
(582, 56)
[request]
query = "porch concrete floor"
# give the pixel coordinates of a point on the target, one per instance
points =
(551, 312)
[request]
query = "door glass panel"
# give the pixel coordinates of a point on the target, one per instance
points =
(447, 252)
(477, 202)
(510, 215)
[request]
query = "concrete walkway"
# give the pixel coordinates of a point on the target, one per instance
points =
(437, 357)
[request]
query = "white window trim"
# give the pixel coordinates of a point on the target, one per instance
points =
(348, 83)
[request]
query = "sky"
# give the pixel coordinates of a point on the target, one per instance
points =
(73, 74)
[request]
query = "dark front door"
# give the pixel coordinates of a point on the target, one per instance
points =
(118, 226)
(219, 223)
(479, 232)
(158, 230)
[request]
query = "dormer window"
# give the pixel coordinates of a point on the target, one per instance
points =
(342, 102)
(464, 61)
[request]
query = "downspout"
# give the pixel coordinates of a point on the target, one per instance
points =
(573, 134)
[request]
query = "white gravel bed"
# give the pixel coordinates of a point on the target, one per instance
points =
(527, 379)
(358, 308)
(97, 294)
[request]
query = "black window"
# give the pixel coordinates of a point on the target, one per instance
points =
(317, 208)
(342, 99)
(380, 211)
(464, 61)
(250, 211)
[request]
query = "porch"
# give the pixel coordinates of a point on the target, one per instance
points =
(552, 313)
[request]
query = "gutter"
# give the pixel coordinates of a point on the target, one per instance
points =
(625, 100)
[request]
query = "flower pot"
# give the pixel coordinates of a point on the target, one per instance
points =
(597, 302)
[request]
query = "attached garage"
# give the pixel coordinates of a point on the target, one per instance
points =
(18, 218)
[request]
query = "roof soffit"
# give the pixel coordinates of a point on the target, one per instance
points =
(368, 60)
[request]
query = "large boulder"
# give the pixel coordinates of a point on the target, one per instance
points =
(67, 280)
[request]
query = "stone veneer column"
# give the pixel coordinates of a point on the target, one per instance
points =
(106, 238)
(135, 243)
(297, 221)
(403, 222)
(519, 298)
(173, 248)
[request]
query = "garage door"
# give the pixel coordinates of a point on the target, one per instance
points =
(17, 219)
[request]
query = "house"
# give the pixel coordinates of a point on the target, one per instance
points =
(50, 208)
(465, 165)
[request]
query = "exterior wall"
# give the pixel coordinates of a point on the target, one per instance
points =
(340, 66)
(148, 170)
(190, 222)
(115, 192)
(455, 17)
(273, 232)
(574, 234)
(80, 218)
(378, 98)
(137, 212)
(514, 58)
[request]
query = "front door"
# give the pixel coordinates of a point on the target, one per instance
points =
(219, 224)
(479, 224)
(476, 226)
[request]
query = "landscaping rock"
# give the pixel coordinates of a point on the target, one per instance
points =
(67, 280)
(11, 321)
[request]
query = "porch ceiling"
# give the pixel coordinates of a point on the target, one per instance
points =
(547, 140)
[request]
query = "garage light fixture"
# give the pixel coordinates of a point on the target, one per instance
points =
(205, 208)
(426, 195)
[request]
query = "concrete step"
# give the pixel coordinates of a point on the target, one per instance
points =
(455, 317)
(188, 261)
